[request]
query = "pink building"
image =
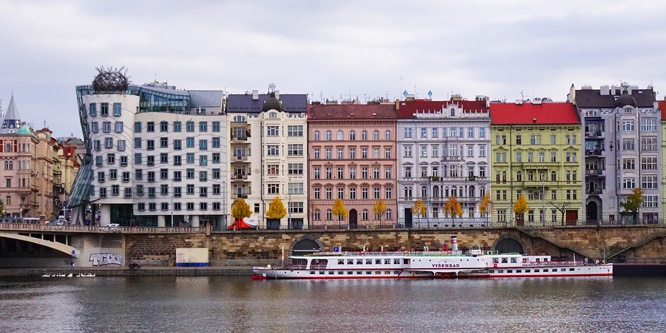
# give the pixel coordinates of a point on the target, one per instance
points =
(352, 156)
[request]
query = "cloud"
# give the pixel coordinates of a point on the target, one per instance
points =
(326, 48)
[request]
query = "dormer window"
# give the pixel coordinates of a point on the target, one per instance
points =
(453, 112)
(627, 110)
(273, 115)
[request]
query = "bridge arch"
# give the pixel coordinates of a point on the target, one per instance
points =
(508, 244)
(305, 245)
(57, 246)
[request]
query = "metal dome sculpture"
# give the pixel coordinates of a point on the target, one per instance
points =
(110, 80)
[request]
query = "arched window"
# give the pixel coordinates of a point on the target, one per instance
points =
(316, 136)
(364, 135)
(568, 175)
(389, 214)
(574, 175)
(352, 135)
(329, 136)
(453, 112)
(497, 176)
(329, 215)
(435, 191)
(482, 192)
(454, 191)
(387, 135)
(365, 215)
(519, 176)
(553, 176)
(471, 191)
(424, 191)
(504, 176)
(317, 215)
(446, 192)
(340, 136)
(375, 135)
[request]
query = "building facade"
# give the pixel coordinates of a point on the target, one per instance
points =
(268, 155)
(443, 149)
(156, 156)
(46, 151)
(352, 156)
(662, 108)
(536, 152)
(622, 137)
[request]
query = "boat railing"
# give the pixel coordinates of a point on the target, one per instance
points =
(556, 263)
(317, 267)
(297, 266)
(389, 254)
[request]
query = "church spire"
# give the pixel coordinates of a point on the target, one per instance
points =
(12, 122)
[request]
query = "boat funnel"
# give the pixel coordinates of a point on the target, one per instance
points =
(454, 243)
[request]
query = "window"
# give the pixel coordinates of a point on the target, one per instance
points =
(388, 172)
(628, 125)
(150, 126)
(535, 139)
(296, 207)
(648, 125)
(649, 182)
(203, 126)
(295, 130)
(189, 126)
(273, 188)
(649, 144)
(216, 126)
(316, 136)
(329, 136)
(93, 109)
(340, 153)
(628, 144)
(110, 158)
(340, 136)
(407, 151)
(137, 127)
(408, 133)
(272, 130)
(295, 149)
(273, 150)
(203, 144)
(352, 153)
(104, 110)
(177, 126)
(364, 153)
(295, 168)
(470, 132)
(106, 127)
(482, 150)
(164, 126)
(121, 145)
(364, 135)
(648, 163)
(387, 134)
(295, 188)
(117, 109)
(94, 127)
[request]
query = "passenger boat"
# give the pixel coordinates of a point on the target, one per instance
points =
(427, 264)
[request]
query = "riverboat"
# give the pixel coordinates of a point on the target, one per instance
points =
(428, 264)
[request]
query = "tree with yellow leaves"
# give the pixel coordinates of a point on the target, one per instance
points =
(379, 210)
(419, 209)
(453, 208)
(486, 206)
(276, 210)
(520, 206)
(339, 210)
(240, 209)
(633, 202)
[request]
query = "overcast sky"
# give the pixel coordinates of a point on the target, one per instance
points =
(327, 48)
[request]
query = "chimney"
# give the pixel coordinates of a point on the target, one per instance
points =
(454, 243)
(277, 94)
(255, 95)
(534, 120)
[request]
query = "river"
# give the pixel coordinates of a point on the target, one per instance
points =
(204, 304)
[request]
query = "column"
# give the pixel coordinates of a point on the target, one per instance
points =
(104, 215)
(161, 221)
(195, 221)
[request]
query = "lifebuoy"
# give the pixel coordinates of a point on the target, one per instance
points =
(406, 253)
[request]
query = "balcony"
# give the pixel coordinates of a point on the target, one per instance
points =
(593, 134)
(240, 176)
(594, 173)
(240, 195)
(452, 158)
(239, 158)
(593, 152)
(595, 191)
(239, 139)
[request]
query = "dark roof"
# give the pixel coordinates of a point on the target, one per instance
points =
(206, 98)
(625, 99)
(351, 111)
(237, 103)
(528, 113)
(592, 98)
(409, 108)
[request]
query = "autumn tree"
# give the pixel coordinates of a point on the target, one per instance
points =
(379, 210)
(633, 202)
(240, 209)
(419, 209)
(339, 210)
(453, 208)
(2, 208)
(520, 206)
(276, 210)
(486, 206)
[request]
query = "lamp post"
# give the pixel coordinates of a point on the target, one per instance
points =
(289, 203)
(173, 190)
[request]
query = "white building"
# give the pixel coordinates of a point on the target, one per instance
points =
(622, 130)
(268, 155)
(443, 150)
(156, 156)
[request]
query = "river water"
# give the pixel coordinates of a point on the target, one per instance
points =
(204, 304)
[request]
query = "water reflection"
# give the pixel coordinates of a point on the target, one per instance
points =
(240, 304)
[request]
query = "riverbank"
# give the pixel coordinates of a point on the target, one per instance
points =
(143, 271)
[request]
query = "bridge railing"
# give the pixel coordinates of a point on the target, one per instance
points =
(98, 229)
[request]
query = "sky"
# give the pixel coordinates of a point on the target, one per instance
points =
(504, 49)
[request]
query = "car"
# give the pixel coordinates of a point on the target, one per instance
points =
(113, 225)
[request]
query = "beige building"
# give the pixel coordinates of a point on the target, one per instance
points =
(64, 171)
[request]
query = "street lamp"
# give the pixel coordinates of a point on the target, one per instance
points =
(289, 203)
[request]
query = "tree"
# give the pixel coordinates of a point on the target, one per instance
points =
(2, 208)
(419, 209)
(520, 206)
(240, 209)
(486, 206)
(453, 208)
(276, 209)
(379, 210)
(633, 202)
(562, 208)
(339, 210)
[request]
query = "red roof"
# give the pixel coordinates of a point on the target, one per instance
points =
(662, 107)
(528, 113)
(409, 108)
(351, 111)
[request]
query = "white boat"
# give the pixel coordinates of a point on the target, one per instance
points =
(427, 264)
(46, 275)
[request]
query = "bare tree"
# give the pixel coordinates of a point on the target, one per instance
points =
(562, 207)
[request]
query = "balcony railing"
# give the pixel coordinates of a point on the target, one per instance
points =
(593, 134)
(239, 158)
(241, 195)
(239, 177)
(593, 152)
(593, 172)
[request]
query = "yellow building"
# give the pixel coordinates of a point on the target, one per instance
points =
(536, 152)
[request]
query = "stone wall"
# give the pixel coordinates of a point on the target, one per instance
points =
(261, 247)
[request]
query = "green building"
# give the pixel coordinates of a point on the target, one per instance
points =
(536, 152)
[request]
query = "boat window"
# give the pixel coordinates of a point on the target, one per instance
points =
(491, 271)
(330, 272)
(312, 272)
(500, 271)
(504, 260)
(545, 270)
(528, 271)
(545, 259)
(571, 269)
(368, 272)
(396, 272)
(378, 261)
(537, 259)
(519, 271)
(378, 272)
(405, 261)
(359, 272)
(509, 271)
(495, 260)
(514, 260)
(341, 272)
(396, 261)
(524, 259)
(387, 261)
(368, 261)
(341, 261)
(350, 261)
(350, 272)
(563, 270)
(321, 272)
(387, 272)
(359, 261)
(536, 271)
